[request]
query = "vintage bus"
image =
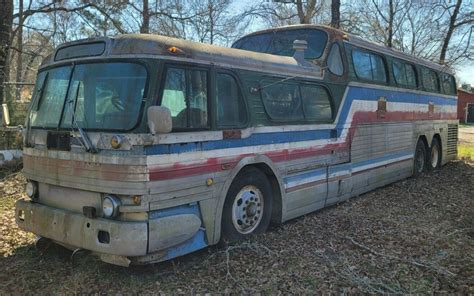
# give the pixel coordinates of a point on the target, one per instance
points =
(142, 148)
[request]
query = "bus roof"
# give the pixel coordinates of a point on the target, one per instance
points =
(157, 46)
(359, 42)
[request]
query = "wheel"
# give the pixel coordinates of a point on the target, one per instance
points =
(420, 159)
(247, 207)
(434, 158)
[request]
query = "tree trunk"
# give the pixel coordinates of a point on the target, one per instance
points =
(335, 13)
(391, 16)
(145, 27)
(19, 46)
(211, 21)
(305, 16)
(6, 20)
(447, 39)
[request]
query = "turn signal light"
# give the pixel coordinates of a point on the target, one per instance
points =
(175, 50)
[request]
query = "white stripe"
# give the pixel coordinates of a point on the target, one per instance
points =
(380, 163)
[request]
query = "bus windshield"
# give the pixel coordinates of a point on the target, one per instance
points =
(95, 96)
(281, 43)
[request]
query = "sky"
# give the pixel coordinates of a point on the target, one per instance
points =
(465, 73)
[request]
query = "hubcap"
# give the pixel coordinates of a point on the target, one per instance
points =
(420, 161)
(247, 209)
(434, 156)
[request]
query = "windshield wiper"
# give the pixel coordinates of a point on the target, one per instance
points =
(84, 140)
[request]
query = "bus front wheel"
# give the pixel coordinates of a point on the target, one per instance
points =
(420, 159)
(247, 207)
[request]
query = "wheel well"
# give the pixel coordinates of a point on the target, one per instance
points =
(438, 137)
(277, 197)
(425, 141)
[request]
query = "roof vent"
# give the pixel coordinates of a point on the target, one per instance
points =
(299, 46)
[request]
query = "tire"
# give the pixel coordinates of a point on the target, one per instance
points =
(434, 157)
(247, 207)
(419, 162)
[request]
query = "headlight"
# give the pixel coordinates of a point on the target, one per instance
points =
(110, 206)
(31, 189)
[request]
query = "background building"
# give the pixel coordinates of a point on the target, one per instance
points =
(466, 104)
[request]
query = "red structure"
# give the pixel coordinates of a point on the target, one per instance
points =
(465, 106)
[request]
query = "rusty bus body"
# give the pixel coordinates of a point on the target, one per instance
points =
(233, 160)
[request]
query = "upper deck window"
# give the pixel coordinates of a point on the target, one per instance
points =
(281, 42)
(334, 62)
(369, 66)
(293, 102)
(430, 80)
(185, 94)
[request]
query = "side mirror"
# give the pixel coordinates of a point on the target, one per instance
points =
(5, 115)
(159, 120)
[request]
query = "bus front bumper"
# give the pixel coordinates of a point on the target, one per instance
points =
(124, 238)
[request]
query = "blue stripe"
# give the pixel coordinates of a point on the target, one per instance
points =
(345, 167)
(311, 174)
(354, 93)
(253, 140)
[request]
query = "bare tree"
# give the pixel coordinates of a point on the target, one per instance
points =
(455, 23)
(213, 22)
(285, 12)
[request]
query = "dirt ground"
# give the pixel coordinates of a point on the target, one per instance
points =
(415, 236)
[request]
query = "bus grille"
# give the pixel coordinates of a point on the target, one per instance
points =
(452, 139)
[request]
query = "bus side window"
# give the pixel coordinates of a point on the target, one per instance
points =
(316, 103)
(369, 66)
(282, 101)
(231, 111)
(185, 94)
(430, 80)
(404, 74)
(335, 60)
(449, 87)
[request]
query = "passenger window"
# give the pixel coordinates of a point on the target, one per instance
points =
(282, 101)
(430, 80)
(378, 68)
(449, 86)
(316, 103)
(399, 73)
(231, 111)
(404, 74)
(185, 94)
(411, 75)
(335, 60)
(369, 66)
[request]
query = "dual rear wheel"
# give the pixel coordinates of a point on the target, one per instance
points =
(427, 158)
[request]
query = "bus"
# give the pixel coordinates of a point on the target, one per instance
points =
(143, 148)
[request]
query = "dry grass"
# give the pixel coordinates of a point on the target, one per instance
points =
(415, 236)
(466, 152)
